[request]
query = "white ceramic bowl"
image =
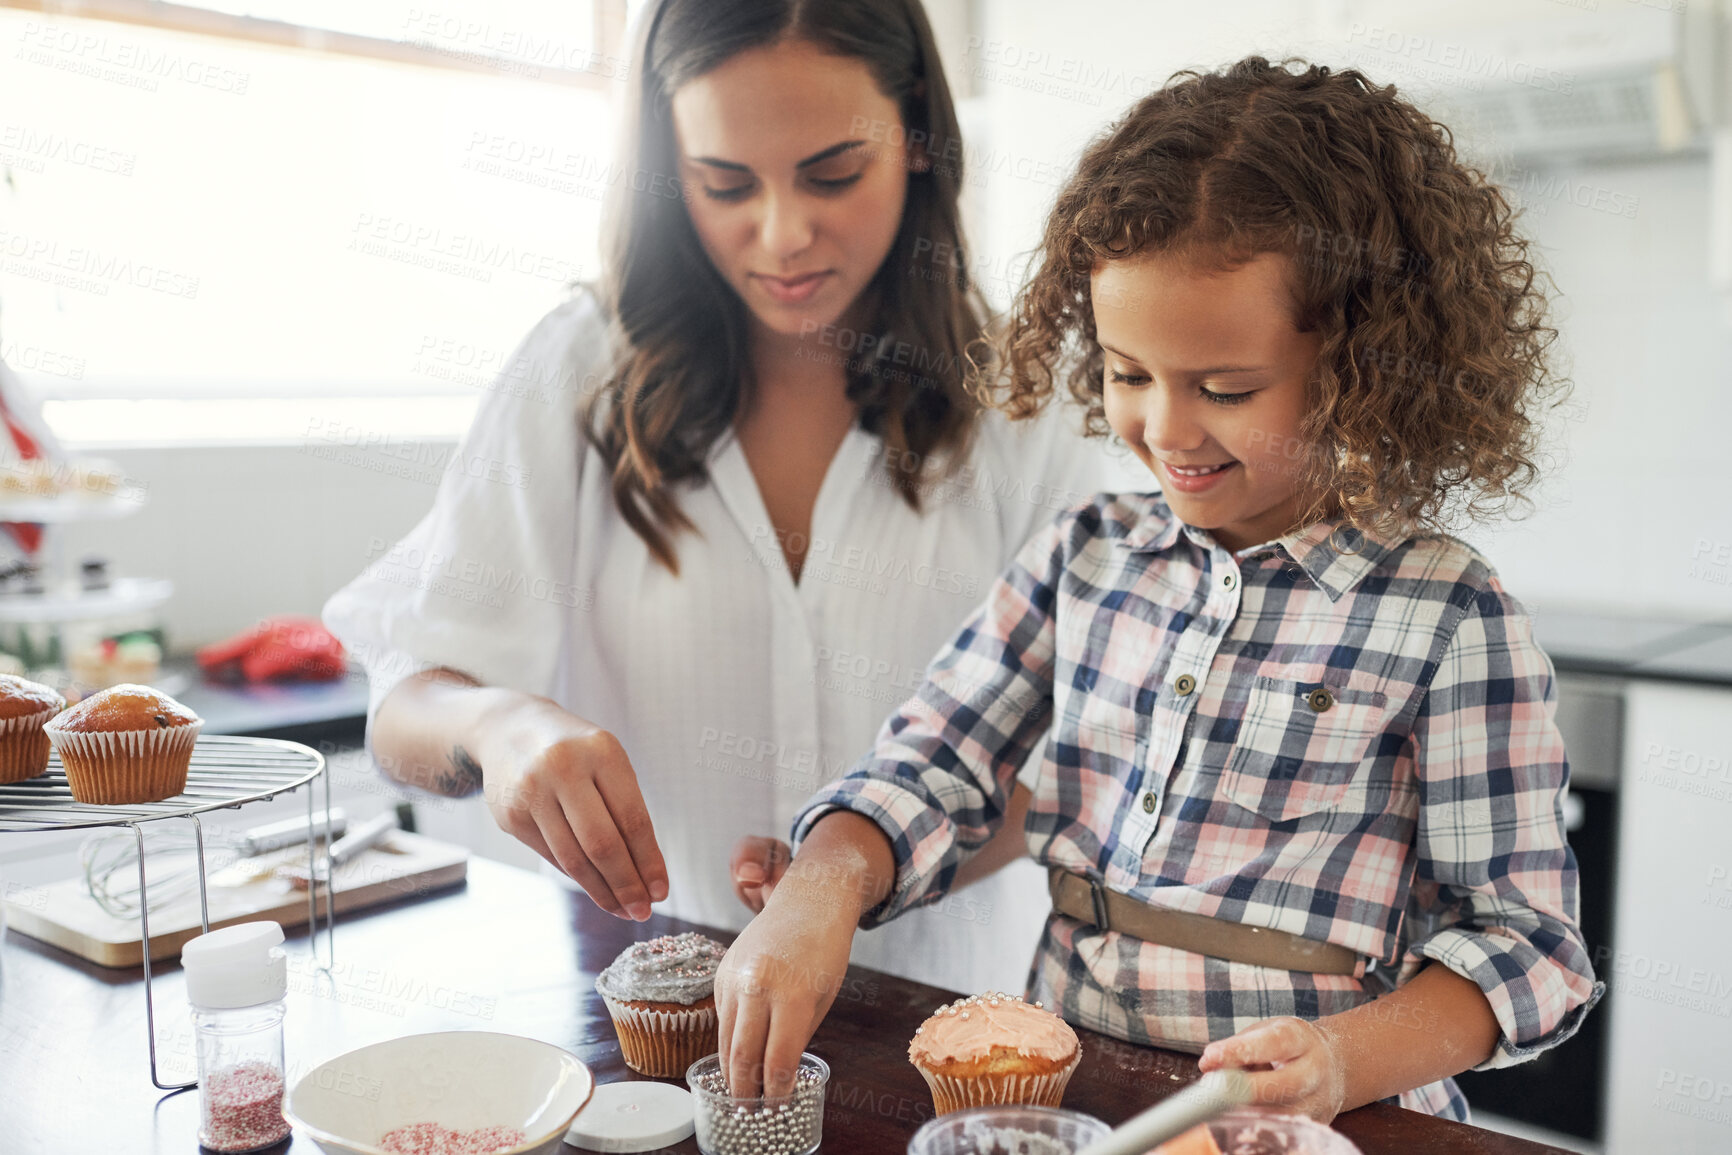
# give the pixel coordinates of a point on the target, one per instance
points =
(464, 1080)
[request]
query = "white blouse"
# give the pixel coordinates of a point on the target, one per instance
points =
(736, 692)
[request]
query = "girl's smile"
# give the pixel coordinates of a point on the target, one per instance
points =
(1205, 381)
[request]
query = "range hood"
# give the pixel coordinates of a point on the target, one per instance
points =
(1639, 79)
(1629, 81)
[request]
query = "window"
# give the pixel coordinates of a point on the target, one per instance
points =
(210, 202)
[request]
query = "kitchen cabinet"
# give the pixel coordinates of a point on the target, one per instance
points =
(1669, 1079)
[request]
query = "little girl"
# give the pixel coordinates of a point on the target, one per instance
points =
(1300, 785)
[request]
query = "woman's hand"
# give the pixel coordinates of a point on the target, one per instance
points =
(565, 788)
(757, 866)
(1295, 1066)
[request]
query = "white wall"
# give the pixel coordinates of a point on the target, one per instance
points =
(248, 531)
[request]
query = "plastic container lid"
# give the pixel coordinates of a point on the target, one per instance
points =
(237, 966)
(633, 1117)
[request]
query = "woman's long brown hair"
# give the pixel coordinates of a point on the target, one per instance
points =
(682, 362)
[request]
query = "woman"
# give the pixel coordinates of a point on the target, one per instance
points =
(695, 585)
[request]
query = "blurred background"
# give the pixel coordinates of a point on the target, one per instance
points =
(259, 260)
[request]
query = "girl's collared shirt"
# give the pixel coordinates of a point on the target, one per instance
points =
(1348, 739)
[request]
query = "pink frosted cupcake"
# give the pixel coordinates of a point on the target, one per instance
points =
(661, 995)
(125, 744)
(25, 707)
(994, 1049)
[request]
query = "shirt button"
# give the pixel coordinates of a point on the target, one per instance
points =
(1184, 684)
(1229, 580)
(1320, 699)
(1148, 804)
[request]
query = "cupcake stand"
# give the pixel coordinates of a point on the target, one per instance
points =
(227, 771)
(62, 599)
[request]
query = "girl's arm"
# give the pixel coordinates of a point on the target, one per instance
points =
(759, 864)
(1494, 892)
(1437, 1025)
(778, 979)
(561, 785)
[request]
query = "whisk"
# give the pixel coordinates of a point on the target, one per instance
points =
(110, 862)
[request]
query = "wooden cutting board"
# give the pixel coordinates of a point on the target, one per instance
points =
(403, 865)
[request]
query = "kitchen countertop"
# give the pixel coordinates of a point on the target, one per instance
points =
(1635, 647)
(508, 951)
(300, 711)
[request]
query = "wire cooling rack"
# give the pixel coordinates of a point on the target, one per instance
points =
(227, 771)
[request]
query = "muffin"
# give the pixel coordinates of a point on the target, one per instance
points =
(994, 1049)
(662, 997)
(125, 744)
(1199, 1140)
(24, 708)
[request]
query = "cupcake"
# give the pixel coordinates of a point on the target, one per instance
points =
(662, 996)
(24, 708)
(994, 1049)
(125, 744)
(1199, 1140)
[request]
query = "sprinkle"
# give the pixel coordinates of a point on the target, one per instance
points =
(243, 1108)
(433, 1139)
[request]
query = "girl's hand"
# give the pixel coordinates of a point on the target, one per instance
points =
(757, 866)
(1295, 1066)
(777, 981)
(565, 788)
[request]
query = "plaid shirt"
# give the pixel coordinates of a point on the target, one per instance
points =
(1413, 811)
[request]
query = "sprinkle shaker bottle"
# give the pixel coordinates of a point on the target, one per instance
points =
(236, 980)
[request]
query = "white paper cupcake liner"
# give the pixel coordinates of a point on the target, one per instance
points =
(23, 745)
(124, 766)
(950, 1093)
(662, 1043)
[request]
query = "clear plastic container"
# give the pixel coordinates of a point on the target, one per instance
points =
(236, 981)
(784, 1125)
(1010, 1130)
(1248, 1129)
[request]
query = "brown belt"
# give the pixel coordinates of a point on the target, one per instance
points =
(1089, 901)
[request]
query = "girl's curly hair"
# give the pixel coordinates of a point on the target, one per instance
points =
(1404, 258)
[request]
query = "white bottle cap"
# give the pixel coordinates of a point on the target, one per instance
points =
(237, 966)
(632, 1116)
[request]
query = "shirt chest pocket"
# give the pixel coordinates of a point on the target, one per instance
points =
(1300, 746)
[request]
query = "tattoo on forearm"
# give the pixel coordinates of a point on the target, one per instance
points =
(464, 777)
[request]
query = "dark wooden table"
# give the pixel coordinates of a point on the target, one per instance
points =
(508, 951)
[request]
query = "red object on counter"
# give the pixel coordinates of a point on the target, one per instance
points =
(282, 649)
(27, 534)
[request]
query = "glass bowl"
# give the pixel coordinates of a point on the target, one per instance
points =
(1252, 1130)
(784, 1125)
(1008, 1130)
